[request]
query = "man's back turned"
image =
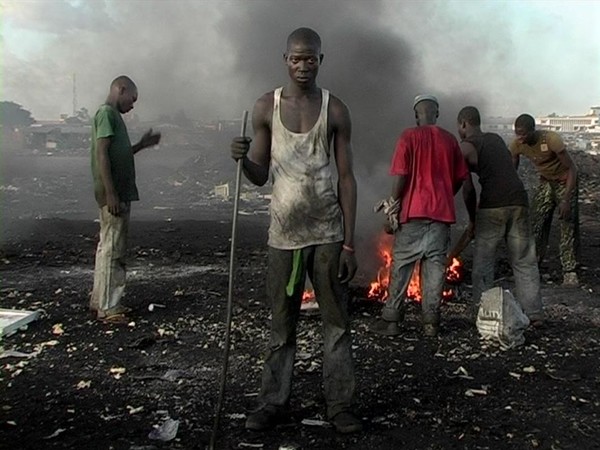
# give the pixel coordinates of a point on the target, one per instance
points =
(430, 158)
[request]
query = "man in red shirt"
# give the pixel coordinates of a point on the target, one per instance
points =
(429, 169)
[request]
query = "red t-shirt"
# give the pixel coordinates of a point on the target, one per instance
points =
(431, 159)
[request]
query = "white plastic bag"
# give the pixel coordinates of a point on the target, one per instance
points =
(501, 319)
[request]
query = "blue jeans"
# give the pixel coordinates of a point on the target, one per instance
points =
(423, 240)
(321, 263)
(510, 224)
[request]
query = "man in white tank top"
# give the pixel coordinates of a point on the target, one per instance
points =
(311, 230)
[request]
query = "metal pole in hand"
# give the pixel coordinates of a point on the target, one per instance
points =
(236, 200)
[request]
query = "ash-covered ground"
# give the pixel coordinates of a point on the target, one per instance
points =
(89, 385)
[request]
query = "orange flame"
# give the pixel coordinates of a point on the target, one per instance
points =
(414, 285)
(379, 287)
(308, 295)
(454, 273)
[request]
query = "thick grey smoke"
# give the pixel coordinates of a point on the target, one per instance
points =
(214, 59)
(376, 72)
(373, 70)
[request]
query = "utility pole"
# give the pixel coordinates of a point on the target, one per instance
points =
(74, 94)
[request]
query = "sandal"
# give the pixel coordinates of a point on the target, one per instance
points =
(114, 315)
(120, 319)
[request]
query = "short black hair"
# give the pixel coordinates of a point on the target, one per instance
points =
(469, 114)
(526, 122)
(304, 34)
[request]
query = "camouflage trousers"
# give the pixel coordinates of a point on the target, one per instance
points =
(547, 197)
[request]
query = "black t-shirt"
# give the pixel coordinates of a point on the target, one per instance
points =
(500, 182)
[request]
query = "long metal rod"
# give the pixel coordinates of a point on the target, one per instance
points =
(236, 201)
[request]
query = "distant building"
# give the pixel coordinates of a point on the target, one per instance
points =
(53, 135)
(497, 124)
(589, 123)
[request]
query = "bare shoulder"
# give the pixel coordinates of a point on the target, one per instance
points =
(263, 108)
(337, 105)
(339, 113)
(265, 102)
(467, 147)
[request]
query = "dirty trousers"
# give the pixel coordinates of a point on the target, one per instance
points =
(109, 272)
(547, 197)
(509, 224)
(424, 240)
(321, 263)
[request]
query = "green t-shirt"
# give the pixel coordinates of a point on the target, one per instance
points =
(108, 123)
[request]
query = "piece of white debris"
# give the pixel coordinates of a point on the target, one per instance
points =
(166, 431)
(315, 423)
(56, 433)
(474, 392)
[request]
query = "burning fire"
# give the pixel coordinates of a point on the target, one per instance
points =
(308, 303)
(379, 287)
(308, 295)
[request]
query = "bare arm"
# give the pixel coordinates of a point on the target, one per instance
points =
(256, 160)
(515, 159)
(398, 188)
(457, 185)
(342, 147)
(470, 198)
(149, 139)
(513, 148)
(469, 194)
(566, 160)
(470, 153)
(564, 207)
(112, 198)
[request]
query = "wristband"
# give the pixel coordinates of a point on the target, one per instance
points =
(348, 248)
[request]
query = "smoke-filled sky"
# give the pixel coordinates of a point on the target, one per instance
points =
(213, 58)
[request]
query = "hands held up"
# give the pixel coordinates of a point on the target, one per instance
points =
(149, 139)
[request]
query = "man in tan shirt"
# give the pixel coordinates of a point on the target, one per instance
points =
(557, 188)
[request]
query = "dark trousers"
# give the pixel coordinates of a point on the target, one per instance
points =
(321, 263)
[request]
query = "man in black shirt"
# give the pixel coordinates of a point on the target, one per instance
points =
(503, 214)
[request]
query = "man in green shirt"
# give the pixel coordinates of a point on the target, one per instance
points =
(113, 169)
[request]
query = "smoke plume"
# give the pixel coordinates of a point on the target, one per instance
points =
(373, 70)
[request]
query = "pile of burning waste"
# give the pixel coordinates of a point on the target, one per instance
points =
(378, 289)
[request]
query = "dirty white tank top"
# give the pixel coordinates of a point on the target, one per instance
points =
(304, 206)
